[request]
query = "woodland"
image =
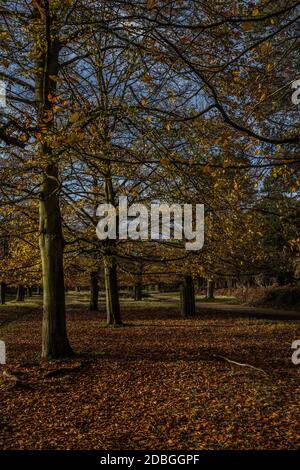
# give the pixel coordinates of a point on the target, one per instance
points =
(134, 343)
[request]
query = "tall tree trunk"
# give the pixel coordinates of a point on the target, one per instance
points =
(210, 289)
(20, 293)
(112, 292)
(94, 293)
(29, 291)
(2, 293)
(187, 297)
(54, 339)
(55, 342)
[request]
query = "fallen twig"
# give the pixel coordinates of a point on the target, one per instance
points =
(240, 363)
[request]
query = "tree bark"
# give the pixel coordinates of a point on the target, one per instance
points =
(94, 294)
(55, 342)
(138, 291)
(110, 268)
(210, 289)
(29, 291)
(2, 293)
(187, 296)
(20, 293)
(112, 292)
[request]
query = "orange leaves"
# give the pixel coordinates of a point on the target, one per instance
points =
(146, 78)
(247, 26)
(171, 393)
(144, 101)
(185, 40)
(24, 137)
(151, 4)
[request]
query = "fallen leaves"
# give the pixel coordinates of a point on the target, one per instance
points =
(153, 384)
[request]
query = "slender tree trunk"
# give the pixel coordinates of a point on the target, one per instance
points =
(210, 289)
(138, 287)
(138, 292)
(2, 293)
(94, 294)
(112, 293)
(29, 291)
(20, 293)
(187, 296)
(110, 268)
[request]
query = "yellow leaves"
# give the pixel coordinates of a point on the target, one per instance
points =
(4, 34)
(236, 76)
(263, 97)
(94, 131)
(54, 78)
(207, 169)
(295, 242)
(24, 138)
(5, 63)
(268, 67)
(168, 126)
(72, 138)
(68, 2)
(144, 102)
(265, 48)
(74, 117)
(255, 12)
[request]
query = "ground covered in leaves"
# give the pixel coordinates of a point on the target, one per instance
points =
(157, 383)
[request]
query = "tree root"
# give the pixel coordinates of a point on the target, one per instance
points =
(63, 371)
(15, 382)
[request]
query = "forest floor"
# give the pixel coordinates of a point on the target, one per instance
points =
(157, 383)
